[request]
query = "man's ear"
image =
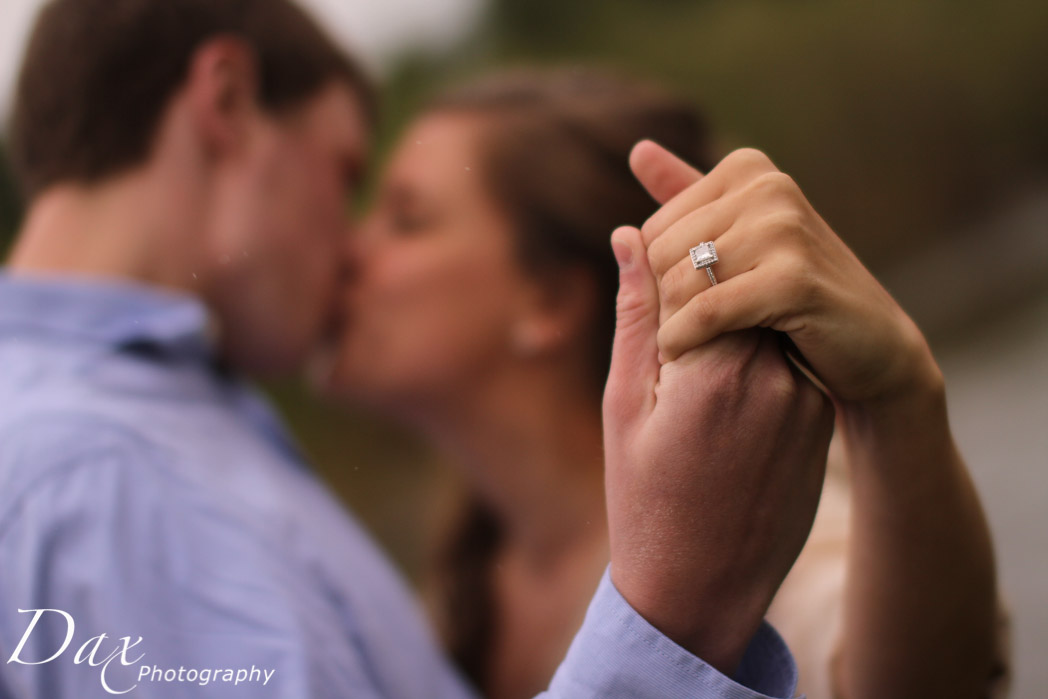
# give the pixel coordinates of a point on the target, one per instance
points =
(556, 311)
(222, 89)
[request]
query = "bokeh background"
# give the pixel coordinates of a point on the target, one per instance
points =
(918, 128)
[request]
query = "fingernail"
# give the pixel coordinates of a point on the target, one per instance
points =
(623, 253)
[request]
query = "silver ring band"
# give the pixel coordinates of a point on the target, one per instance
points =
(713, 279)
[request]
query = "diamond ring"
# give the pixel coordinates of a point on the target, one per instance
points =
(704, 256)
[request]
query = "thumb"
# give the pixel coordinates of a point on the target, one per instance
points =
(661, 172)
(630, 392)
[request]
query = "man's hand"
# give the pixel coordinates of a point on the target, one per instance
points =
(714, 468)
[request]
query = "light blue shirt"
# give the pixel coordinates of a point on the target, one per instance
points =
(159, 533)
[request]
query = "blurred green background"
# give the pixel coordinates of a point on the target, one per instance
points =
(906, 123)
(918, 129)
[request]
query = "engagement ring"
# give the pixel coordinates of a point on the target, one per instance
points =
(704, 256)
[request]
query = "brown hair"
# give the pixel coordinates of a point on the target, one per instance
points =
(555, 157)
(98, 74)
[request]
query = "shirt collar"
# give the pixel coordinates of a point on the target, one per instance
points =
(117, 313)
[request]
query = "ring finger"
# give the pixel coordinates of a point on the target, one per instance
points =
(737, 253)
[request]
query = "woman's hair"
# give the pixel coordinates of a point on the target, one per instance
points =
(555, 156)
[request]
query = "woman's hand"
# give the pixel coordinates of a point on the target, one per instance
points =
(781, 267)
(919, 611)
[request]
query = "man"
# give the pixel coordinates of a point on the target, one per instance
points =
(186, 165)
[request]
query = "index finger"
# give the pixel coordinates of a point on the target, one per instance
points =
(737, 168)
(661, 172)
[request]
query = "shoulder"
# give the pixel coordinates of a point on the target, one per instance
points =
(38, 446)
(75, 484)
(56, 432)
(78, 485)
(89, 466)
(95, 500)
(41, 447)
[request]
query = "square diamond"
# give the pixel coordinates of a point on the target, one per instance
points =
(703, 255)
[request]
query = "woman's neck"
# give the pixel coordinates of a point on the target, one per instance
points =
(535, 457)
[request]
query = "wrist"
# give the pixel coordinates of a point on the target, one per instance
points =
(916, 398)
(901, 440)
(716, 628)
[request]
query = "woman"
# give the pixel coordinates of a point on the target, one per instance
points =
(481, 313)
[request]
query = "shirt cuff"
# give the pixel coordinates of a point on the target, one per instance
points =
(617, 653)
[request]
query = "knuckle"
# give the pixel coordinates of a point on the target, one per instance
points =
(800, 280)
(785, 222)
(748, 159)
(775, 183)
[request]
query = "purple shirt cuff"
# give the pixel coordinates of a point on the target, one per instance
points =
(617, 653)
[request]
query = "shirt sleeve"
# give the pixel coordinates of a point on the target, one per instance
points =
(103, 543)
(617, 653)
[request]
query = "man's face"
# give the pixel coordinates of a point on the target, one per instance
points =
(280, 219)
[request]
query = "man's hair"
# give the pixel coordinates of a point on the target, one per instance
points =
(98, 75)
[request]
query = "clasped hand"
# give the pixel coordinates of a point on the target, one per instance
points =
(715, 455)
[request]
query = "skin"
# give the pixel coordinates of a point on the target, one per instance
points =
(415, 326)
(784, 268)
(502, 394)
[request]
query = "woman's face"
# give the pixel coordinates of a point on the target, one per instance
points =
(434, 288)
